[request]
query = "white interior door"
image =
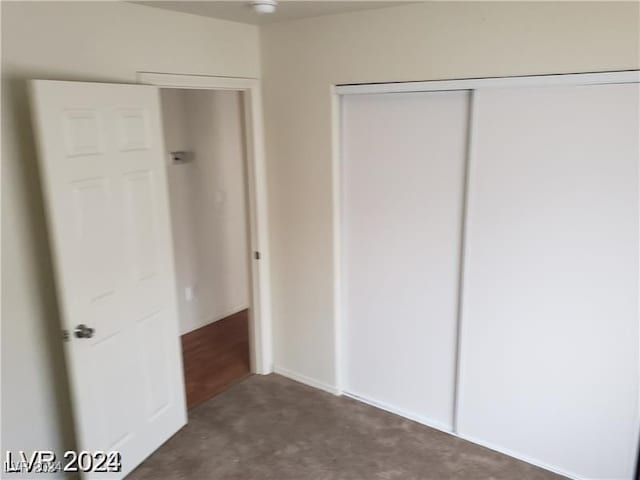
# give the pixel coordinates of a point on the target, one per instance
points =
(102, 168)
(403, 173)
(549, 365)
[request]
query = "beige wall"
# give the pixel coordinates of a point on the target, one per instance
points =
(110, 41)
(208, 203)
(95, 41)
(438, 40)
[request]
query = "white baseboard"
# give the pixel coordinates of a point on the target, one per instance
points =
(401, 413)
(209, 320)
(447, 429)
(521, 457)
(285, 372)
(226, 313)
(298, 377)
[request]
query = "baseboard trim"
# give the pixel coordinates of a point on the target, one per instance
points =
(401, 413)
(447, 429)
(520, 457)
(300, 378)
(215, 319)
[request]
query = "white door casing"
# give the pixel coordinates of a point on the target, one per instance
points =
(103, 174)
(260, 338)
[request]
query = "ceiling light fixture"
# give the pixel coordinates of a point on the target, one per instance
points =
(264, 6)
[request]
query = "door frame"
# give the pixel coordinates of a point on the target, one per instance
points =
(336, 92)
(260, 336)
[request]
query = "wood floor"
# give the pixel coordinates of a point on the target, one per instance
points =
(215, 356)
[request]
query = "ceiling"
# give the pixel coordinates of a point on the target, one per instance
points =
(240, 11)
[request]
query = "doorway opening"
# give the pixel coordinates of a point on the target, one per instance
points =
(206, 173)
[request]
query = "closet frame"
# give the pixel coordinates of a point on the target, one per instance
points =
(471, 85)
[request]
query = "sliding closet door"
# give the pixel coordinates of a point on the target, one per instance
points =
(403, 170)
(550, 306)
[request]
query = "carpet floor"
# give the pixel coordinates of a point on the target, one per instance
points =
(272, 428)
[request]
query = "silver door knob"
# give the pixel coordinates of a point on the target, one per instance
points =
(82, 331)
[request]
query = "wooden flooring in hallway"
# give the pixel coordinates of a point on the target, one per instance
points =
(215, 356)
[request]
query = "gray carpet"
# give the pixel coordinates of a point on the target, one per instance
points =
(271, 428)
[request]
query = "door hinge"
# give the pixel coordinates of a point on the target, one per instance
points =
(256, 255)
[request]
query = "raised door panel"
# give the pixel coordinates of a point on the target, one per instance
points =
(104, 178)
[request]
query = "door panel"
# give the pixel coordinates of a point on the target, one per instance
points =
(549, 363)
(155, 364)
(404, 157)
(108, 360)
(103, 173)
(140, 206)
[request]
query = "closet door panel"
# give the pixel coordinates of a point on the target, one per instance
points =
(403, 170)
(549, 362)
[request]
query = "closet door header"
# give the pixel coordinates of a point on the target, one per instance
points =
(573, 79)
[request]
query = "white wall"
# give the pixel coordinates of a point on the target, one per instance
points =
(91, 41)
(109, 41)
(208, 203)
(433, 40)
